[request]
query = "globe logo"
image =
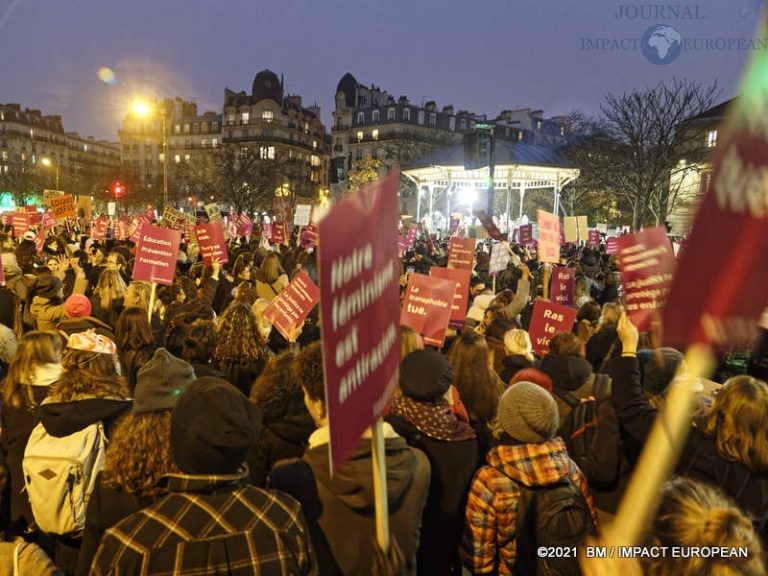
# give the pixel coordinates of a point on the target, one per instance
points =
(661, 44)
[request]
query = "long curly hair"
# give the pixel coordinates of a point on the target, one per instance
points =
(738, 422)
(139, 454)
(277, 390)
(35, 349)
(478, 386)
(89, 375)
(238, 335)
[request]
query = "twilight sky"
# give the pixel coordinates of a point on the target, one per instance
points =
(484, 56)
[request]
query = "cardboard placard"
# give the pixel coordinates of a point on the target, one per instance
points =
(547, 319)
(427, 307)
(460, 297)
(549, 237)
(214, 214)
(647, 265)
(213, 245)
(63, 206)
(156, 253)
(461, 253)
(20, 223)
(562, 285)
(289, 308)
(303, 215)
(359, 308)
(499, 258)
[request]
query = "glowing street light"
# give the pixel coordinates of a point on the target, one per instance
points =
(48, 164)
(144, 109)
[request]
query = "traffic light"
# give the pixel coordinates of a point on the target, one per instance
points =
(118, 190)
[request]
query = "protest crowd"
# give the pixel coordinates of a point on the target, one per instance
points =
(175, 429)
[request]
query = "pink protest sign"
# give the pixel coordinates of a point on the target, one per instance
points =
(402, 246)
(647, 264)
(411, 237)
(526, 234)
(278, 233)
(289, 308)
(40, 240)
(99, 228)
(48, 219)
(547, 319)
(266, 231)
(461, 253)
(213, 245)
(460, 297)
(20, 223)
(612, 245)
(244, 225)
(594, 239)
(156, 254)
(308, 237)
(562, 285)
(359, 310)
(427, 307)
(549, 237)
(136, 225)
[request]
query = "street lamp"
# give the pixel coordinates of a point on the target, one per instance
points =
(143, 109)
(47, 163)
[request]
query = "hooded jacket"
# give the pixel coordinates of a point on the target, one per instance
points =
(491, 515)
(512, 364)
(47, 314)
(279, 440)
(570, 374)
(340, 511)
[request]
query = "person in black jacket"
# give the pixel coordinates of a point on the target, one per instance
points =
(240, 352)
(726, 448)
(139, 453)
(287, 422)
(422, 416)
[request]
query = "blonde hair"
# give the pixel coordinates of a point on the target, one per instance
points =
(270, 269)
(517, 341)
(143, 292)
(609, 315)
(264, 325)
(139, 454)
(696, 514)
(739, 420)
(35, 349)
(410, 340)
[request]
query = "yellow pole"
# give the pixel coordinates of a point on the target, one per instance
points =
(380, 485)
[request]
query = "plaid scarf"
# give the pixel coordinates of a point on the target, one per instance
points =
(437, 420)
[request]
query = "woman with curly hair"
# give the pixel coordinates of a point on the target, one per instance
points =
(139, 452)
(198, 347)
(478, 384)
(240, 351)
(35, 367)
(287, 422)
(133, 336)
(271, 278)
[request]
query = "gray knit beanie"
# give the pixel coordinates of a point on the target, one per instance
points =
(528, 413)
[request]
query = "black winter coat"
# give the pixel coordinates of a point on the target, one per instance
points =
(279, 440)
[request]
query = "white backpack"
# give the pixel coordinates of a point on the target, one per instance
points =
(60, 475)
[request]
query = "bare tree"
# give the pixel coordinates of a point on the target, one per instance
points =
(644, 145)
(22, 179)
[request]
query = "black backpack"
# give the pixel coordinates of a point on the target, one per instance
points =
(592, 435)
(555, 517)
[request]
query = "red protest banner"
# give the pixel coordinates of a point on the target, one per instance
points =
(244, 225)
(278, 233)
(721, 287)
(134, 232)
(308, 237)
(289, 308)
(461, 253)
(549, 237)
(63, 206)
(594, 239)
(48, 219)
(647, 264)
(562, 285)
(359, 307)
(490, 226)
(40, 240)
(402, 246)
(547, 319)
(20, 223)
(460, 297)
(427, 307)
(526, 234)
(99, 228)
(213, 245)
(156, 254)
(266, 231)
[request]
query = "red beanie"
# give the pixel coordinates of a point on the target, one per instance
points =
(532, 375)
(76, 306)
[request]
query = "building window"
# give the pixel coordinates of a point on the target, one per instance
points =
(711, 138)
(5, 169)
(420, 119)
(267, 116)
(375, 117)
(214, 142)
(361, 117)
(452, 124)
(562, 130)
(375, 134)
(390, 113)
(407, 114)
(5, 155)
(177, 158)
(315, 160)
(519, 135)
(186, 128)
(462, 125)
(375, 153)
(177, 128)
(204, 127)
(245, 118)
(186, 157)
(204, 142)
(538, 124)
(432, 119)
(195, 128)
(230, 118)
(214, 127)
(359, 154)
(267, 152)
(314, 144)
(360, 136)
(306, 127)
